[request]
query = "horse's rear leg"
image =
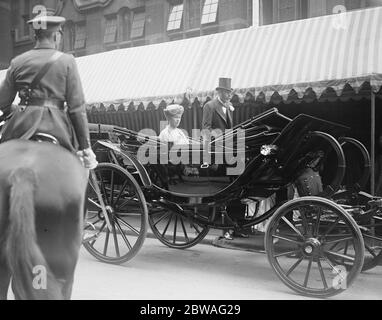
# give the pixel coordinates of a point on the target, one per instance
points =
(67, 288)
(5, 277)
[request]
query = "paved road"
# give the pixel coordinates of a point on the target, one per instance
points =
(200, 273)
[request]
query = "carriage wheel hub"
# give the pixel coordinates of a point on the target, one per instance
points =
(311, 246)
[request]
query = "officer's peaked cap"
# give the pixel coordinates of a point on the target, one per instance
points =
(47, 20)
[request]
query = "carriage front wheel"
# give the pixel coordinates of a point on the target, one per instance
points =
(314, 246)
(175, 230)
(123, 201)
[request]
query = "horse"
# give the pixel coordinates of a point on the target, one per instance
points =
(42, 203)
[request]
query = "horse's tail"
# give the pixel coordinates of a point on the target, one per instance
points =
(31, 276)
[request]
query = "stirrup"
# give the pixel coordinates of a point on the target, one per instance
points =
(90, 235)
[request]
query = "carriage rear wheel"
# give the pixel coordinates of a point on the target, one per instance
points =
(358, 165)
(175, 230)
(126, 209)
(372, 236)
(314, 246)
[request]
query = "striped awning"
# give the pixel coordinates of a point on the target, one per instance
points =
(334, 51)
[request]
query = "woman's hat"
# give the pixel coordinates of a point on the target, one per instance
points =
(173, 110)
(225, 84)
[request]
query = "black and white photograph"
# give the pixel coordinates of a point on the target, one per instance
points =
(191, 156)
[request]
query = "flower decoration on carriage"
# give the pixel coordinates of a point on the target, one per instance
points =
(268, 149)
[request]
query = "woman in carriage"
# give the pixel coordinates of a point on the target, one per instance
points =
(171, 133)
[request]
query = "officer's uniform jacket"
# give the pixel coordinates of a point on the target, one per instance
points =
(60, 83)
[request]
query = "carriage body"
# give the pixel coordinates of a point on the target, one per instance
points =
(185, 190)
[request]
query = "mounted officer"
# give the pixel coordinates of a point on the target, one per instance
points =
(51, 96)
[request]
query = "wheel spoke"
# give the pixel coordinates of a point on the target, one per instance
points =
(195, 227)
(103, 192)
(372, 237)
(161, 218)
(346, 247)
(121, 192)
(285, 239)
(308, 272)
(175, 225)
(339, 235)
(292, 226)
(95, 203)
(125, 202)
(92, 186)
(370, 251)
(294, 266)
(304, 220)
(286, 253)
(322, 274)
(334, 268)
(111, 188)
(333, 225)
(106, 242)
(338, 240)
(102, 227)
(339, 255)
(123, 234)
(128, 225)
(184, 230)
(115, 241)
(317, 226)
(168, 223)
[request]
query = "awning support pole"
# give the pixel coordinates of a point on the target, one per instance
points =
(372, 141)
(195, 117)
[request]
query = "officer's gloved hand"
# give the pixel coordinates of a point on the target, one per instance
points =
(88, 158)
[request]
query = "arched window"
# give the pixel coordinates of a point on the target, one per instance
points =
(124, 15)
(69, 36)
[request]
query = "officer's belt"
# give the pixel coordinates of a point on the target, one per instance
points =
(43, 102)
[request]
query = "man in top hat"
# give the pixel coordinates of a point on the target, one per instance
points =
(217, 113)
(217, 117)
(45, 80)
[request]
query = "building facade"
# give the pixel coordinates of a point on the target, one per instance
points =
(6, 51)
(277, 11)
(100, 25)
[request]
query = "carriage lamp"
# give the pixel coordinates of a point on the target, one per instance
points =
(268, 149)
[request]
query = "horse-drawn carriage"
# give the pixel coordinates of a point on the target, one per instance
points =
(319, 229)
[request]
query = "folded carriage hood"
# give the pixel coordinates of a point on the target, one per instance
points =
(302, 125)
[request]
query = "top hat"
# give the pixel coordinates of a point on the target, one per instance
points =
(225, 84)
(47, 20)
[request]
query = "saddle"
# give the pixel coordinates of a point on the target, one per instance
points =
(44, 137)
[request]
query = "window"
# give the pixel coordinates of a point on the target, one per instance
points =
(138, 26)
(26, 17)
(287, 10)
(210, 10)
(69, 36)
(25, 25)
(175, 17)
(124, 27)
(372, 3)
(80, 36)
(110, 35)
